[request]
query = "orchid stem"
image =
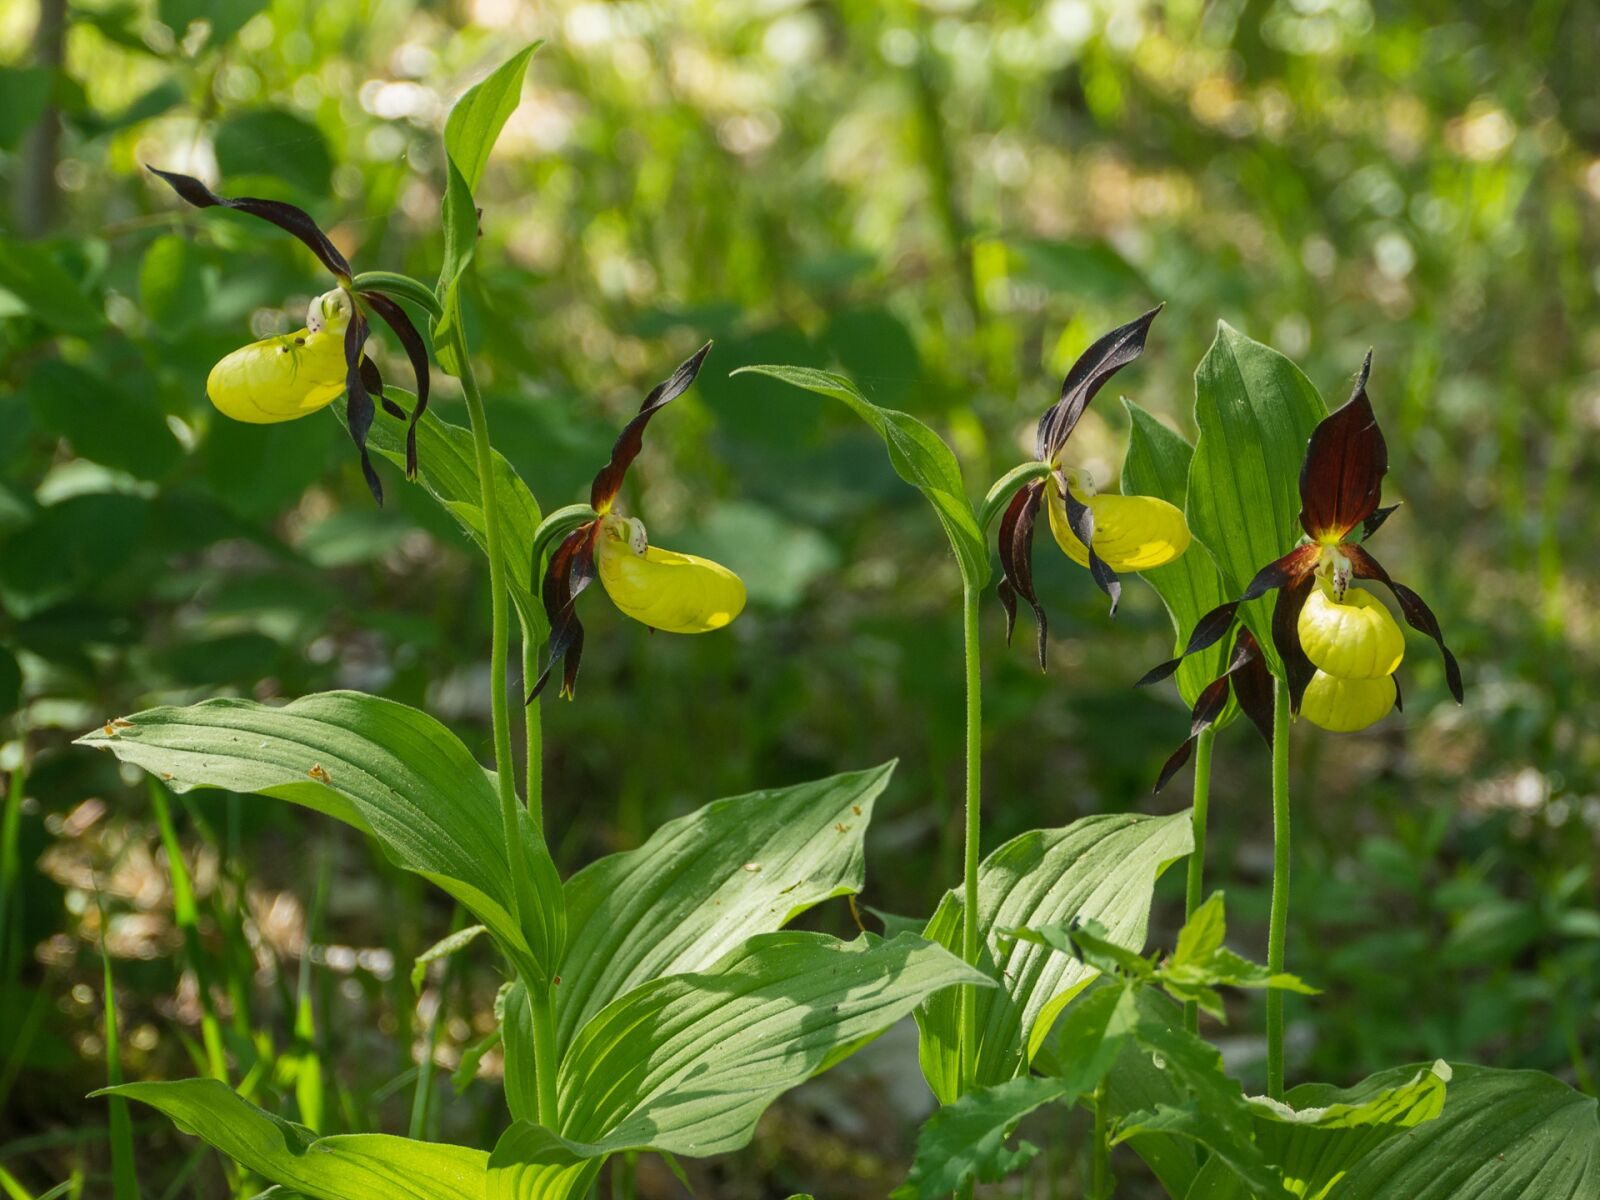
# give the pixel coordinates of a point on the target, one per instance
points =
(1277, 935)
(541, 1004)
(1195, 892)
(1100, 1163)
(969, 914)
(533, 731)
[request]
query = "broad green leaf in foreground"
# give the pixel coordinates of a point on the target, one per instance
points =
(705, 882)
(691, 1061)
(966, 1141)
(341, 1167)
(1157, 464)
(1255, 410)
(447, 467)
(387, 769)
(919, 456)
(1100, 867)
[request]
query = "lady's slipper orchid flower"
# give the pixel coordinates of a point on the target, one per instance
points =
(1338, 643)
(675, 593)
(1106, 533)
(281, 378)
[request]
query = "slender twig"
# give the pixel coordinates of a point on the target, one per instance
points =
(1195, 892)
(1277, 936)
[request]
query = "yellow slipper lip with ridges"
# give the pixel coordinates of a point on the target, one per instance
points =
(1346, 705)
(672, 592)
(283, 378)
(1353, 638)
(1131, 533)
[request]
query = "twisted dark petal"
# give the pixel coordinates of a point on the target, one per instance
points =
(1296, 564)
(1341, 479)
(372, 378)
(1208, 631)
(1416, 611)
(1399, 700)
(571, 570)
(1016, 562)
(1088, 375)
(609, 481)
(417, 351)
(285, 216)
(1252, 682)
(358, 407)
(1081, 518)
(1297, 668)
(1173, 765)
(1208, 706)
(1371, 525)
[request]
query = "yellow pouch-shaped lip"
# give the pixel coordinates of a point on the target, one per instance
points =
(1346, 705)
(676, 593)
(1131, 533)
(279, 378)
(1355, 638)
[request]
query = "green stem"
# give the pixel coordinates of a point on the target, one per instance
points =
(400, 287)
(969, 916)
(541, 1003)
(1277, 935)
(533, 732)
(1005, 487)
(1195, 892)
(1100, 1164)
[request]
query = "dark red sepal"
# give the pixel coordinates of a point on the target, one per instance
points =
(1245, 672)
(1252, 683)
(1293, 566)
(1016, 562)
(1372, 524)
(1208, 631)
(358, 401)
(1208, 707)
(372, 380)
(417, 352)
(1081, 519)
(1297, 668)
(571, 570)
(609, 481)
(1088, 375)
(1341, 480)
(1415, 610)
(285, 216)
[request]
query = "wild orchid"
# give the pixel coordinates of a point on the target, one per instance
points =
(295, 374)
(1103, 531)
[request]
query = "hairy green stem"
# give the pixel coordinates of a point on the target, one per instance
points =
(1277, 935)
(969, 914)
(533, 731)
(541, 1003)
(1100, 1164)
(1194, 894)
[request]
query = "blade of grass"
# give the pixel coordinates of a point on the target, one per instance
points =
(124, 1178)
(310, 1092)
(423, 1096)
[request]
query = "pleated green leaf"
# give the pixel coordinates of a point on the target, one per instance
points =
(1101, 867)
(918, 455)
(1157, 464)
(385, 768)
(340, 1167)
(1255, 410)
(705, 882)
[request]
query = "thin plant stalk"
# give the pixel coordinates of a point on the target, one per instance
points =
(422, 1097)
(124, 1177)
(1277, 934)
(969, 915)
(533, 733)
(1100, 1163)
(541, 1004)
(1194, 894)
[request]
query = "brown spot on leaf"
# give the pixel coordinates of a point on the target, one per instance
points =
(319, 773)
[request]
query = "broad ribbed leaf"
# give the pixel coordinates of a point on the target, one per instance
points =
(447, 466)
(342, 1167)
(919, 456)
(387, 769)
(478, 117)
(1157, 464)
(1255, 410)
(1101, 867)
(704, 883)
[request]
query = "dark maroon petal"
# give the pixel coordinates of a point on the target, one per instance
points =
(358, 404)
(1341, 480)
(1213, 699)
(1299, 562)
(1371, 524)
(372, 380)
(571, 570)
(1016, 562)
(285, 216)
(1173, 765)
(609, 481)
(417, 351)
(1081, 518)
(1252, 682)
(1208, 631)
(1416, 611)
(1297, 668)
(1088, 375)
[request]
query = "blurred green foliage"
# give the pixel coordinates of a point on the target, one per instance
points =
(947, 201)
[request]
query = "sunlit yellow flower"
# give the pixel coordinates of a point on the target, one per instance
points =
(1353, 638)
(1346, 705)
(281, 378)
(672, 592)
(1106, 533)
